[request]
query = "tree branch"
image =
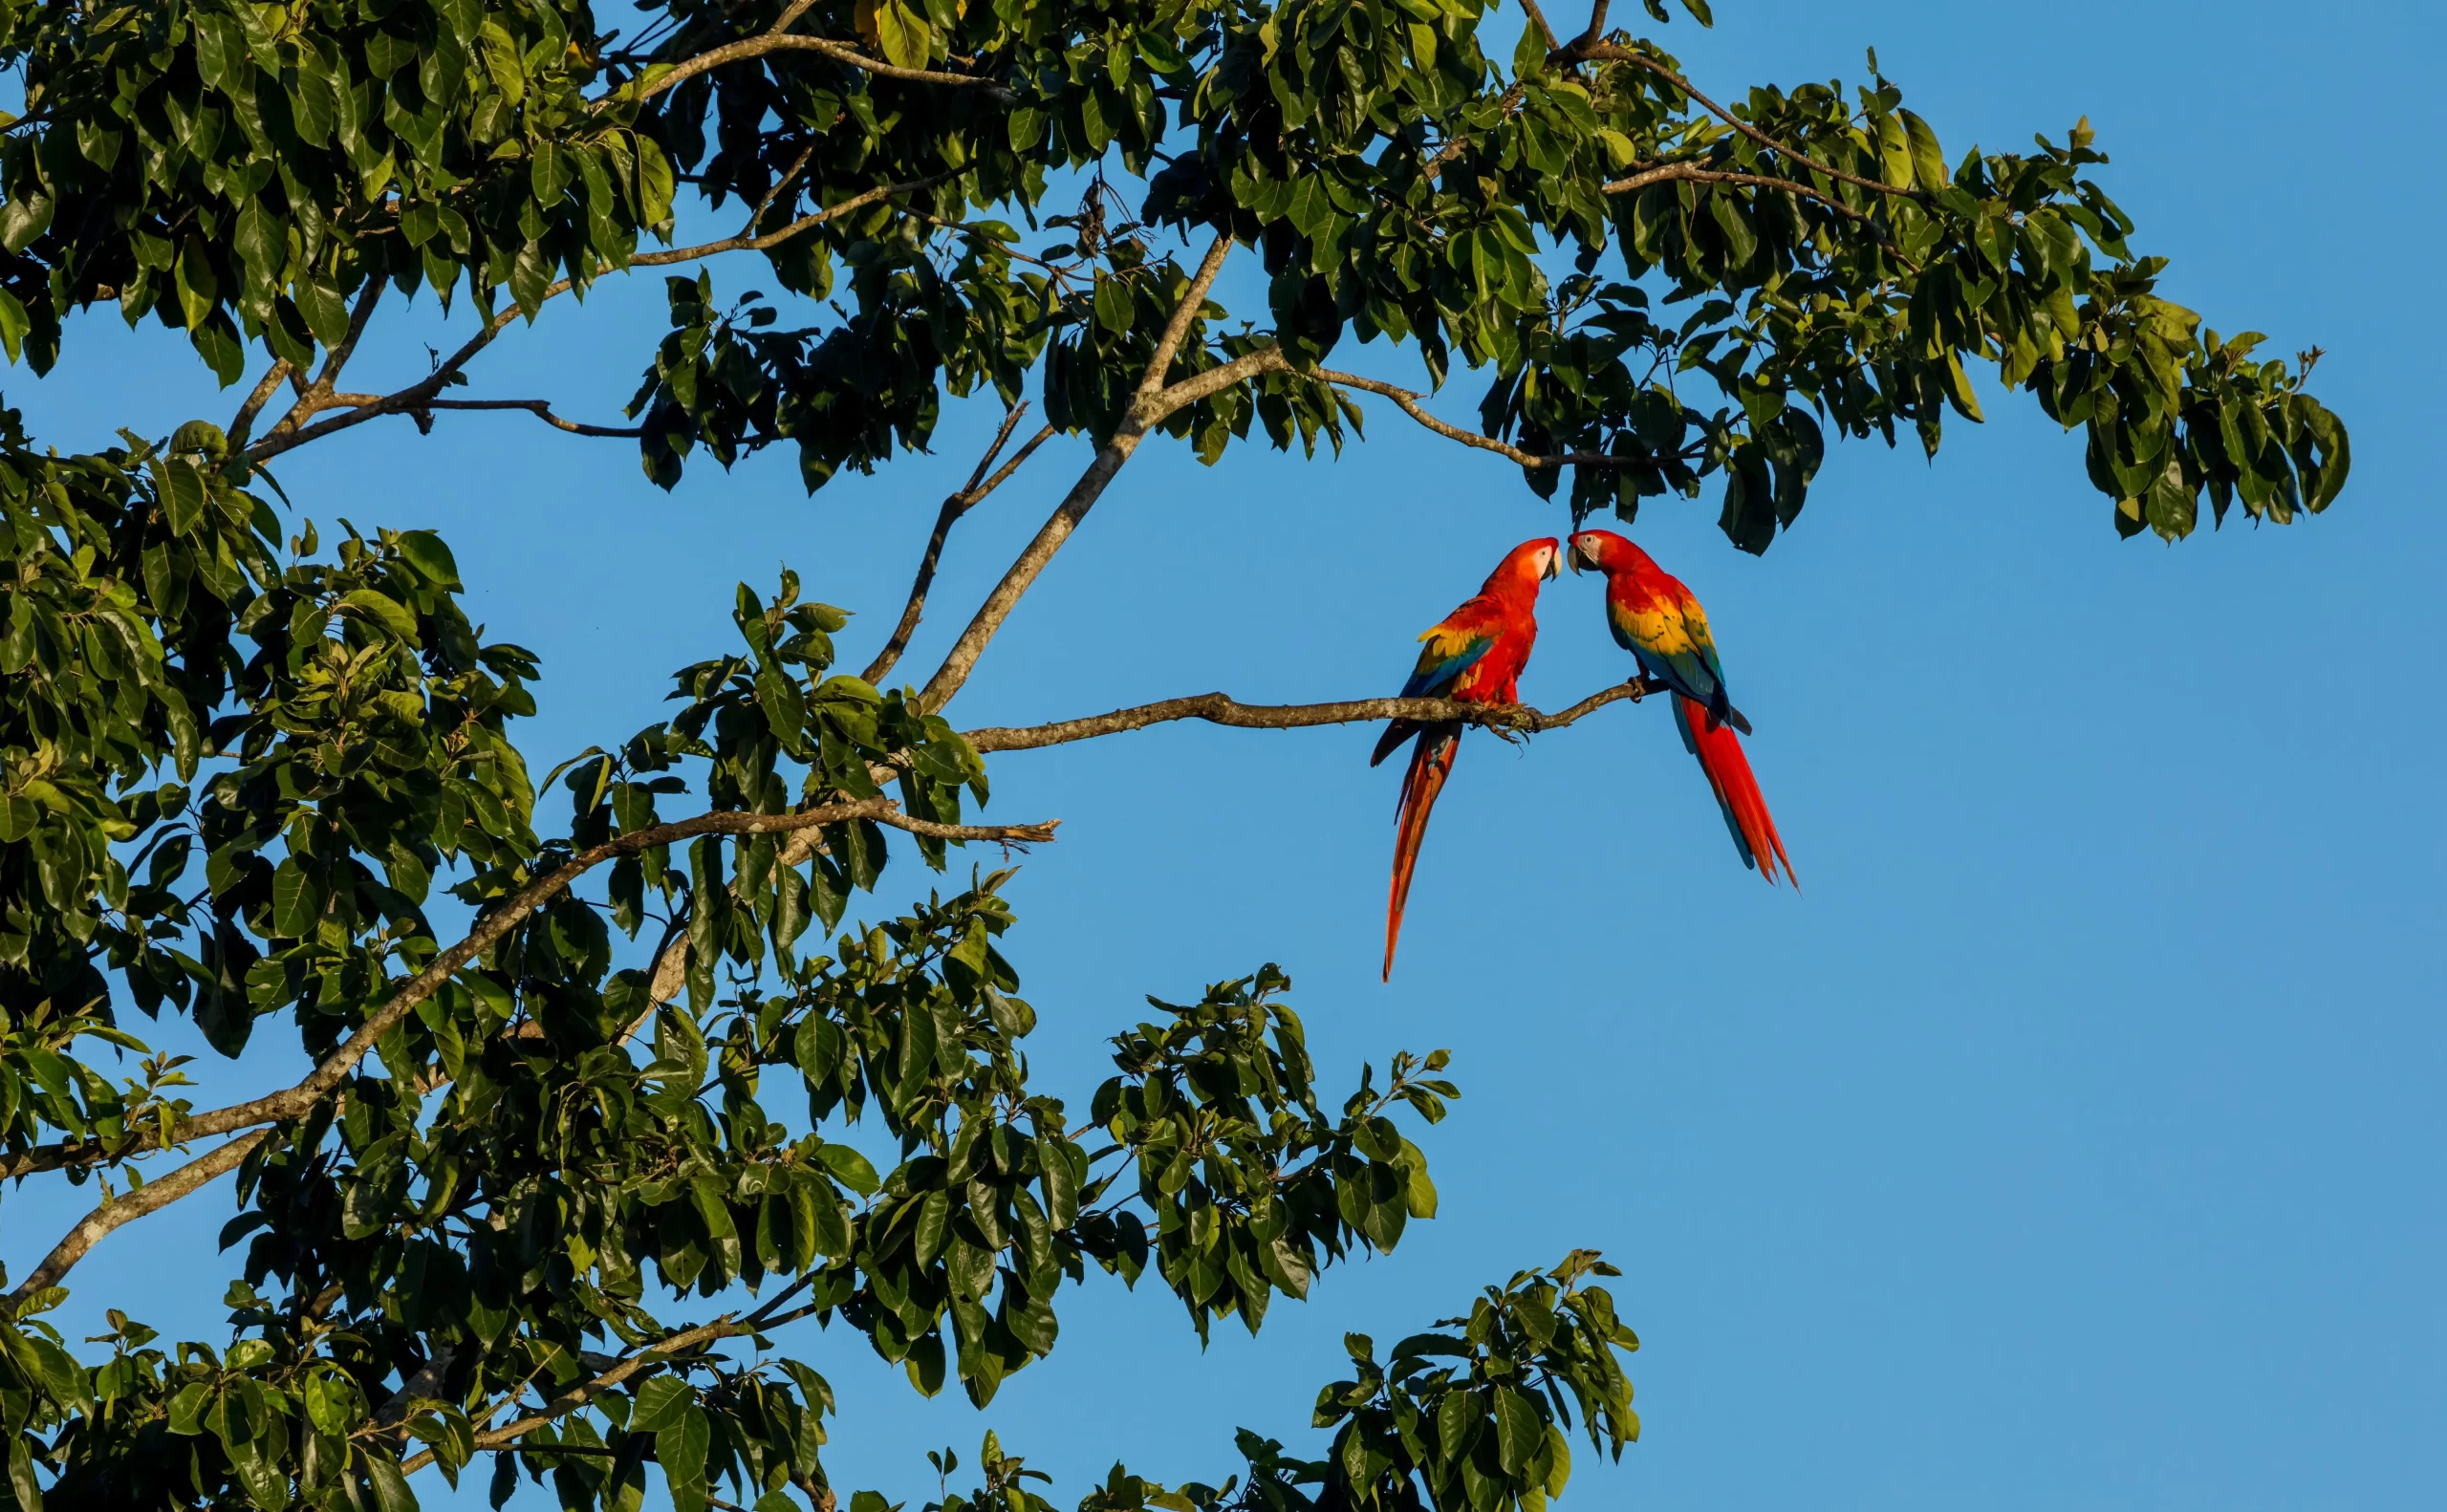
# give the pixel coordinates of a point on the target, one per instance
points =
(1146, 408)
(1539, 17)
(1409, 401)
(244, 421)
(295, 1102)
(1666, 173)
(1588, 49)
(315, 396)
(540, 409)
(756, 217)
(954, 507)
(769, 43)
(129, 1206)
(1267, 358)
(1219, 708)
(728, 1325)
(1595, 29)
(291, 433)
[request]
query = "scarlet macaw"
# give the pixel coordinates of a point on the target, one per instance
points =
(1657, 620)
(1473, 656)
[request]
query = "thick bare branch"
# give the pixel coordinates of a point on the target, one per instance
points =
(129, 1206)
(1267, 358)
(1184, 314)
(1145, 410)
(1595, 29)
(243, 422)
(979, 486)
(1219, 708)
(293, 1102)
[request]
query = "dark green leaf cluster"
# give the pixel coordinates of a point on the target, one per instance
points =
(242, 172)
(1252, 1186)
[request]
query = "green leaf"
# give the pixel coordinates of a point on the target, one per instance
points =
(21, 1473)
(391, 1493)
(1520, 1430)
(426, 551)
(850, 1168)
(658, 1404)
(296, 903)
(13, 325)
(326, 313)
(382, 610)
(904, 34)
(184, 495)
(1928, 163)
(1895, 151)
(680, 1449)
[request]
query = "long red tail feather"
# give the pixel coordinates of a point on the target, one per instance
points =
(1728, 773)
(1431, 762)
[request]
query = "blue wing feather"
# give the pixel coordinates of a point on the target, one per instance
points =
(1445, 657)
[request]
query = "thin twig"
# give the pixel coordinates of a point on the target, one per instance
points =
(730, 1326)
(807, 155)
(839, 51)
(1610, 53)
(1411, 406)
(1220, 708)
(420, 394)
(1669, 172)
(979, 486)
(541, 410)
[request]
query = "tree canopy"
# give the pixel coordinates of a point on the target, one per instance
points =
(274, 784)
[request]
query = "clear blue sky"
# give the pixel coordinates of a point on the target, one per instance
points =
(2075, 1138)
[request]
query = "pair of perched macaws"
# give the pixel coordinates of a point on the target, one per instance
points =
(1475, 655)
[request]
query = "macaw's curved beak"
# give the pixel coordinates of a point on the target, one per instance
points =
(1554, 567)
(1572, 551)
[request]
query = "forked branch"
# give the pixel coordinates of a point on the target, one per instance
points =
(979, 486)
(1151, 405)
